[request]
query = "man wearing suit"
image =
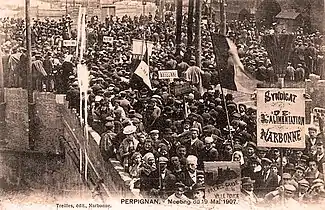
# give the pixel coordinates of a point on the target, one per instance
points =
(311, 139)
(209, 152)
(162, 180)
(320, 155)
(247, 194)
(272, 180)
(194, 146)
(189, 176)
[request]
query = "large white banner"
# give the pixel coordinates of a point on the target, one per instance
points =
(281, 117)
(139, 47)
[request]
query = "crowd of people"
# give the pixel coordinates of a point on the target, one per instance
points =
(162, 138)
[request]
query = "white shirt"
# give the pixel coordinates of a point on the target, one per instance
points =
(193, 141)
(193, 176)
(163, 174)
(313, 141)
(319, 157)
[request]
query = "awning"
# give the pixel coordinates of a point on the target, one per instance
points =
(287, 15)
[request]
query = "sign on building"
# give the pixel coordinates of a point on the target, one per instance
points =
(167, 74)
(69, 43)
(281, 117)
(108, 39)
(222, 182)
(139, 47)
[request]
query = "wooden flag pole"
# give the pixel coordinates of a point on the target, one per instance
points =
(217, 60)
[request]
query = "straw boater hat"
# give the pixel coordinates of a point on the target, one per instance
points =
(129, 129)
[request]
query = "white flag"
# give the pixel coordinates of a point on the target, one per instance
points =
(143, 72)
(83, 77)
(139, 47)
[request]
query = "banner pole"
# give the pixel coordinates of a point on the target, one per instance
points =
(222, 92)
(282, 182)
(79, 31)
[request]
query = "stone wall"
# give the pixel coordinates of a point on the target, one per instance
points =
(109, 172)
(25, 173)
(52, 169)
(49, 126)
(17, 118)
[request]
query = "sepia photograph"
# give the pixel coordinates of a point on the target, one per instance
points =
(162, 104)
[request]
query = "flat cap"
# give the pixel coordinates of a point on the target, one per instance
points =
(154, 132)
(289, 188)
(208, 140)
(266, 160)
(163, 160)
(286, 176)
(304, 183)
(195, 129)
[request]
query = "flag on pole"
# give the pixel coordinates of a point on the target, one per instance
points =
(233, 75)
(83, 77)
(141, 75)
(143, 72)
(83, 34)
(79, 30)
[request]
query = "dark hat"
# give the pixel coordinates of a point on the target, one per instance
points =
(266, 160)
(208, 128)
(300, 167)
(312, 127)
(200, 173)
(262, 149)
(168, 131)
(168, 110)
(229, 96)
(195, 129)
(251, 144)
(237, 147)
(231, 105)
(247, 180)
(290, 167)
(304, 158)
(242, 124)
(236, 115)
(179, 185)
(274, 165)
(187, 121)
(198, 187)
